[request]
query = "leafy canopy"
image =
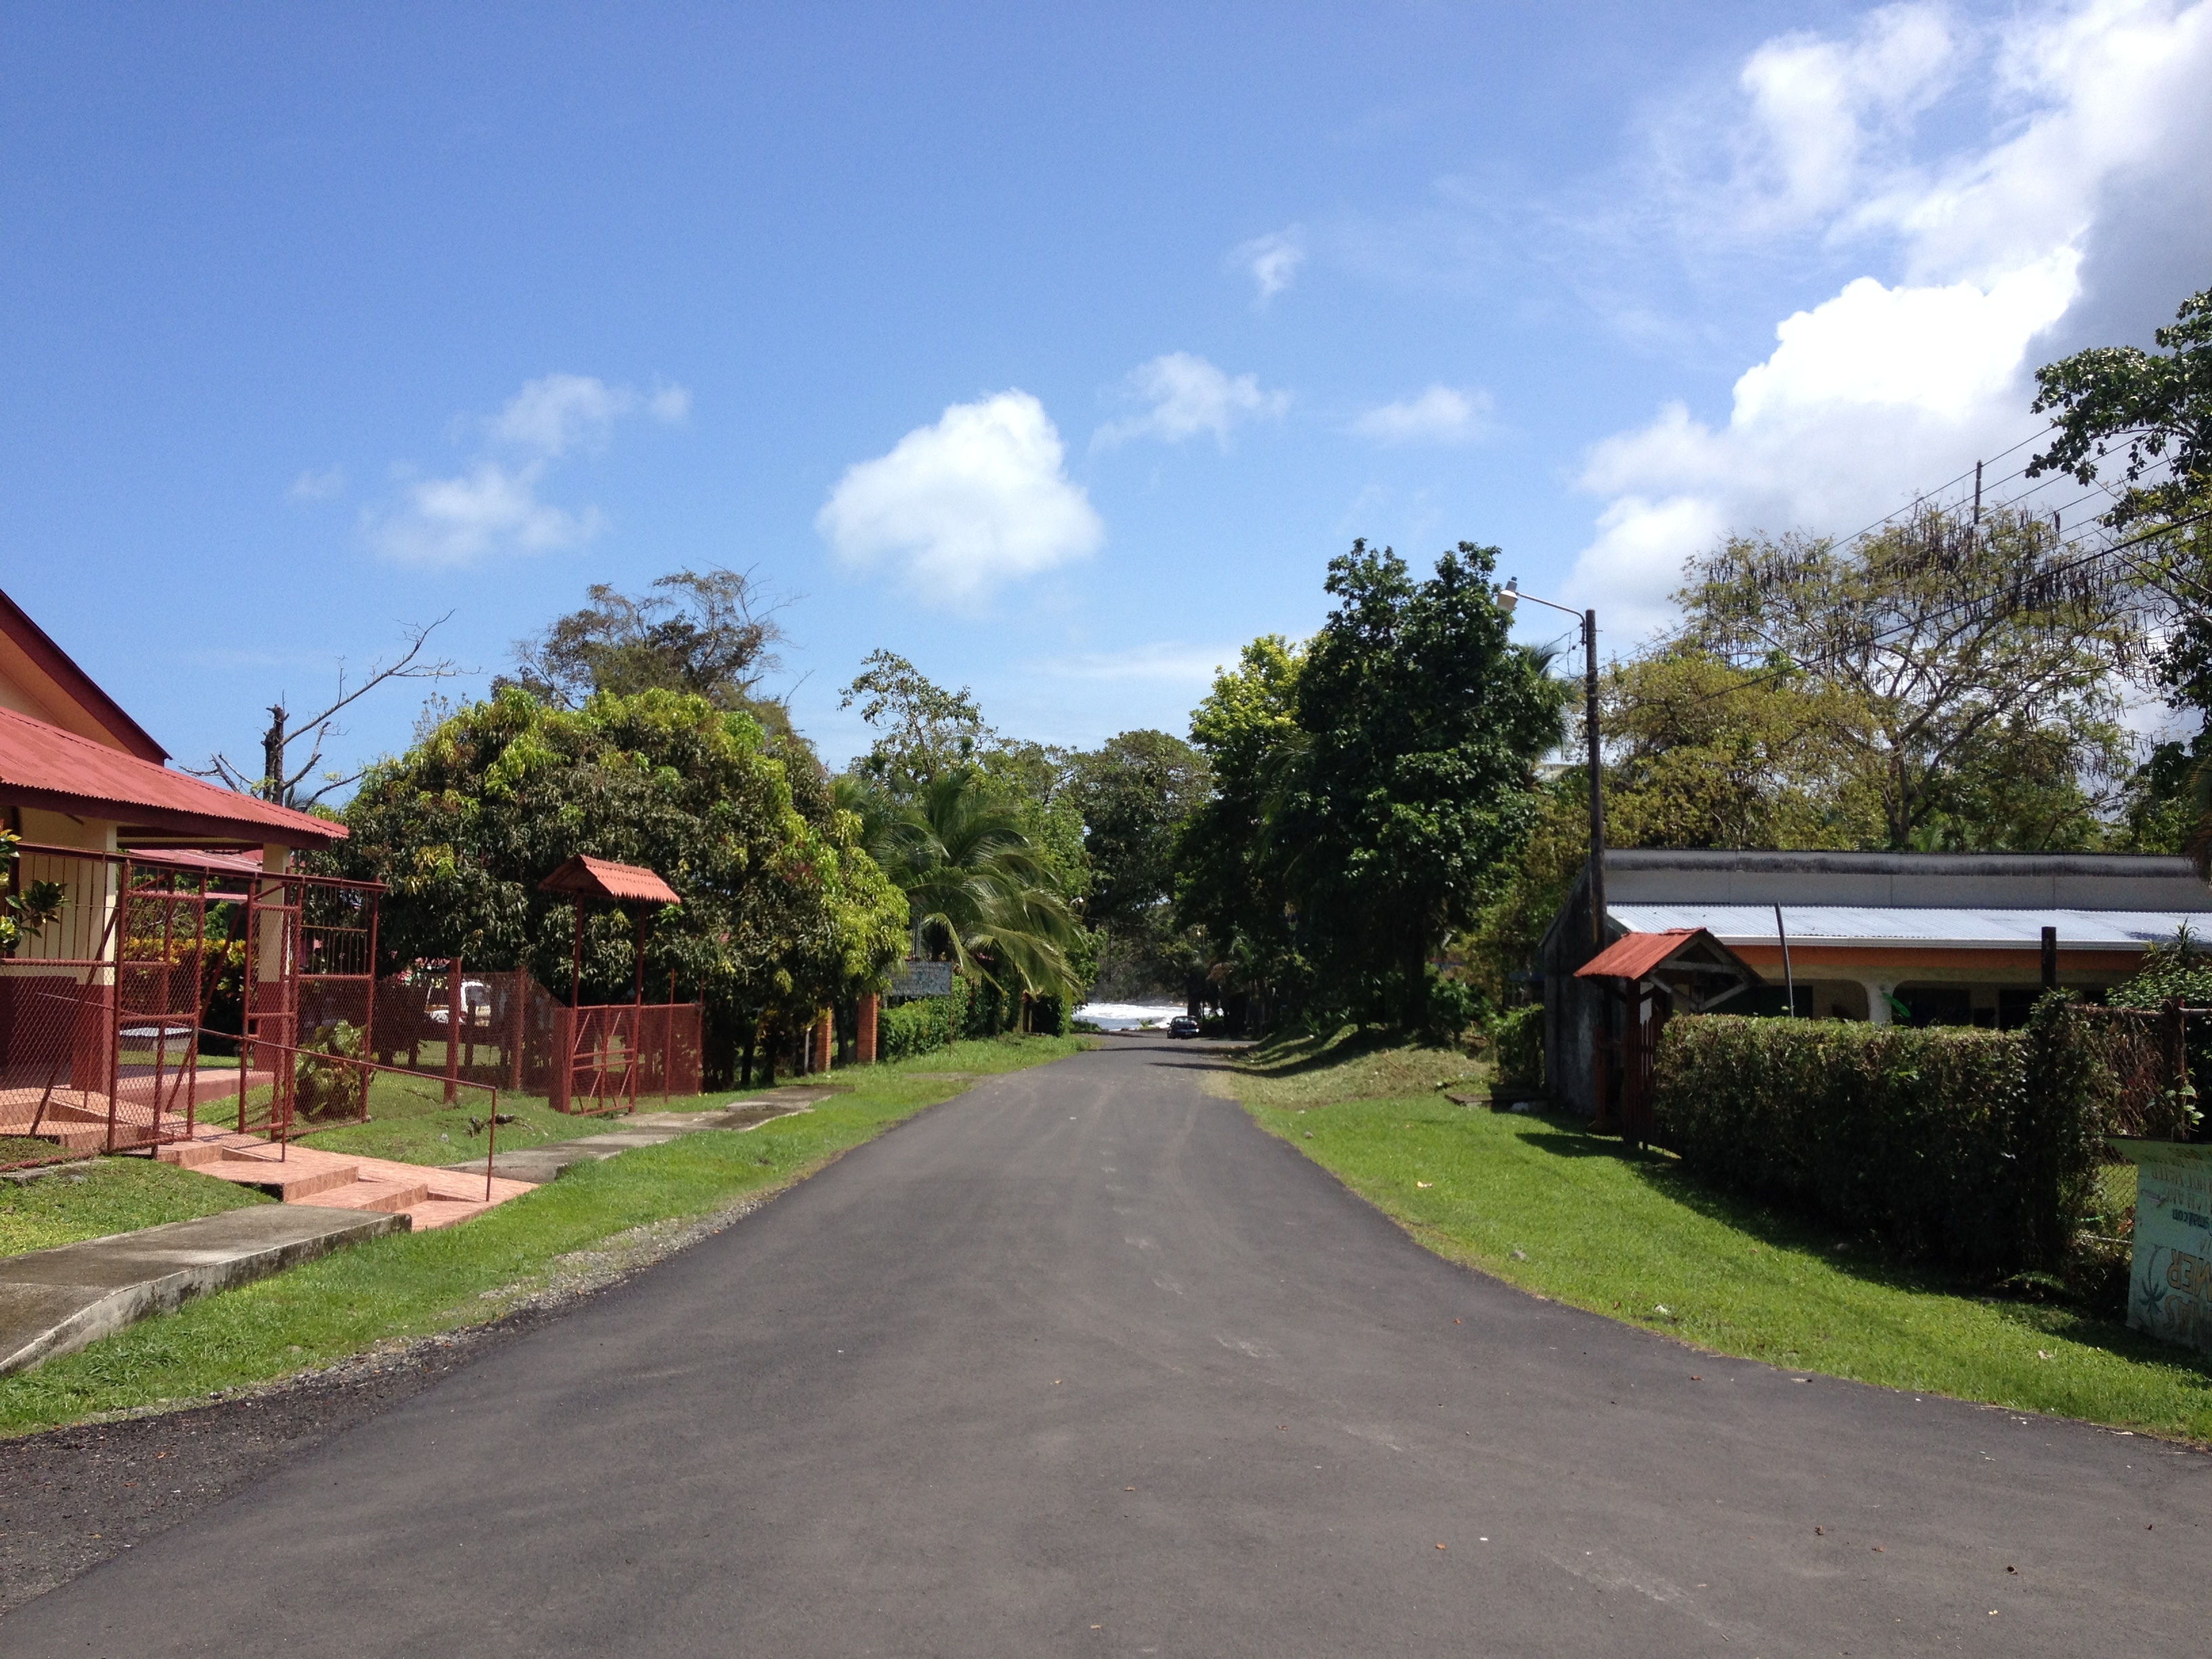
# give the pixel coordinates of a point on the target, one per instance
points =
(783, 910)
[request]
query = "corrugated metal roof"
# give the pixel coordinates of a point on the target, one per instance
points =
(43, 766)
(74, 685)
(1634, 955)
(1873, 926)
(600, 878)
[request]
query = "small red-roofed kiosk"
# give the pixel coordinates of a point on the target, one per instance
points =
(1679, 969)
(608, 1045)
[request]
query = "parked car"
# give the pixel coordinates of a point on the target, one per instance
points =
(476, 1005)
(1182, 1025)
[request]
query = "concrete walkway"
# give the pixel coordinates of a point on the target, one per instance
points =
(55, 1302)
(1082, 1363)
(536, 1165)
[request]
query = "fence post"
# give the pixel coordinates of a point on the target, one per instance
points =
(864, 1028)
(452, 1031)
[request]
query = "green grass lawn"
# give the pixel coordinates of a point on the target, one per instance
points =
(1581, 1219)
(109, 1195)
(410, 1284)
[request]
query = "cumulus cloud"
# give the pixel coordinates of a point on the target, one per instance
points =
(491, 508)
(1271, 261)
(1441, 415)
(1893, 386)
(1185, 396)
(961, 507)
(494, 506)
(319, 486)
(563, 412)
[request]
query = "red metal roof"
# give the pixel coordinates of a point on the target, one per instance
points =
(74, 685)
(600, 879)
(43, 766)
(1634, 955)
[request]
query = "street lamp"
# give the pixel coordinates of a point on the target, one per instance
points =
(1508, 597)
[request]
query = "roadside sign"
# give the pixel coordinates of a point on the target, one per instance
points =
(922, 979)
(2170, 1287)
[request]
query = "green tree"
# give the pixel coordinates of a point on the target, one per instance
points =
(1974, 690)
(1704, 753)
(1422, 724)
(944, 798)
(711, 635)
(2146, 416)
(1134, 792)
(783, 912)
(979, 889)
(2155, 407)
(1228, 884)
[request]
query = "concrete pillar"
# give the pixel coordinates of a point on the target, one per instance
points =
(864, 1028)
(1877, 996)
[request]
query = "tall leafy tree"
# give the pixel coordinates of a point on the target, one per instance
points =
(1422, 723)
(783, 911)
(2140, 423)
(950, 804)
(1134, 792)
(1228, 882)
(711, 635)
(1960, 663)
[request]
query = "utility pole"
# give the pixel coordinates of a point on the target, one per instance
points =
(1508, 597)
(1597, 783)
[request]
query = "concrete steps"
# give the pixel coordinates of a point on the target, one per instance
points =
(428, 1197)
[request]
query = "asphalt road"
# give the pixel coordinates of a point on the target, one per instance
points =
(1084, 1363)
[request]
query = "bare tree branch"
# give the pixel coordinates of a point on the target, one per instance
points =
(279, 780)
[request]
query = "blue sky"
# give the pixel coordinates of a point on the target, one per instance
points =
(1058, 352)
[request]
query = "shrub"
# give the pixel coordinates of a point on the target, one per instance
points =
(924, 1024)
(1516, 1039)
(1976, 1149)
(1453, 1005)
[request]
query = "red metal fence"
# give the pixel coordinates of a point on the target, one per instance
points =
(106, 1004)
(506, 1028)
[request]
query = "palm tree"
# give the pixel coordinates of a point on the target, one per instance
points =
(974, 882)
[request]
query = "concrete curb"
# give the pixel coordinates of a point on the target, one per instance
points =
(55, 1302)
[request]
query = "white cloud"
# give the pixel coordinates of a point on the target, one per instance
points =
(490, 508)
(977, 499)
(1167, 663)
(1822, 111)
(1271, 261)
(318, 486)
(1188, 396)
(561, 412)
(1892, 386)
(494, 506)
(1440, 415)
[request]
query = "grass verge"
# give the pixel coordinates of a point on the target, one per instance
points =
(109, 1195)
(413, 1284)
(1539, 1202)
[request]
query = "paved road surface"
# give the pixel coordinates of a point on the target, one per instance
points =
(1082, 1363)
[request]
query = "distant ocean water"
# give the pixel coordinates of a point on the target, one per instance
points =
(1127, 1016)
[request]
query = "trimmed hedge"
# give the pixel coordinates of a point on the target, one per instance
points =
(924, 1023)
(972, 1010)
(1974, 1148)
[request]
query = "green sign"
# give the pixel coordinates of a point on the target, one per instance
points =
(2170, 1290)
